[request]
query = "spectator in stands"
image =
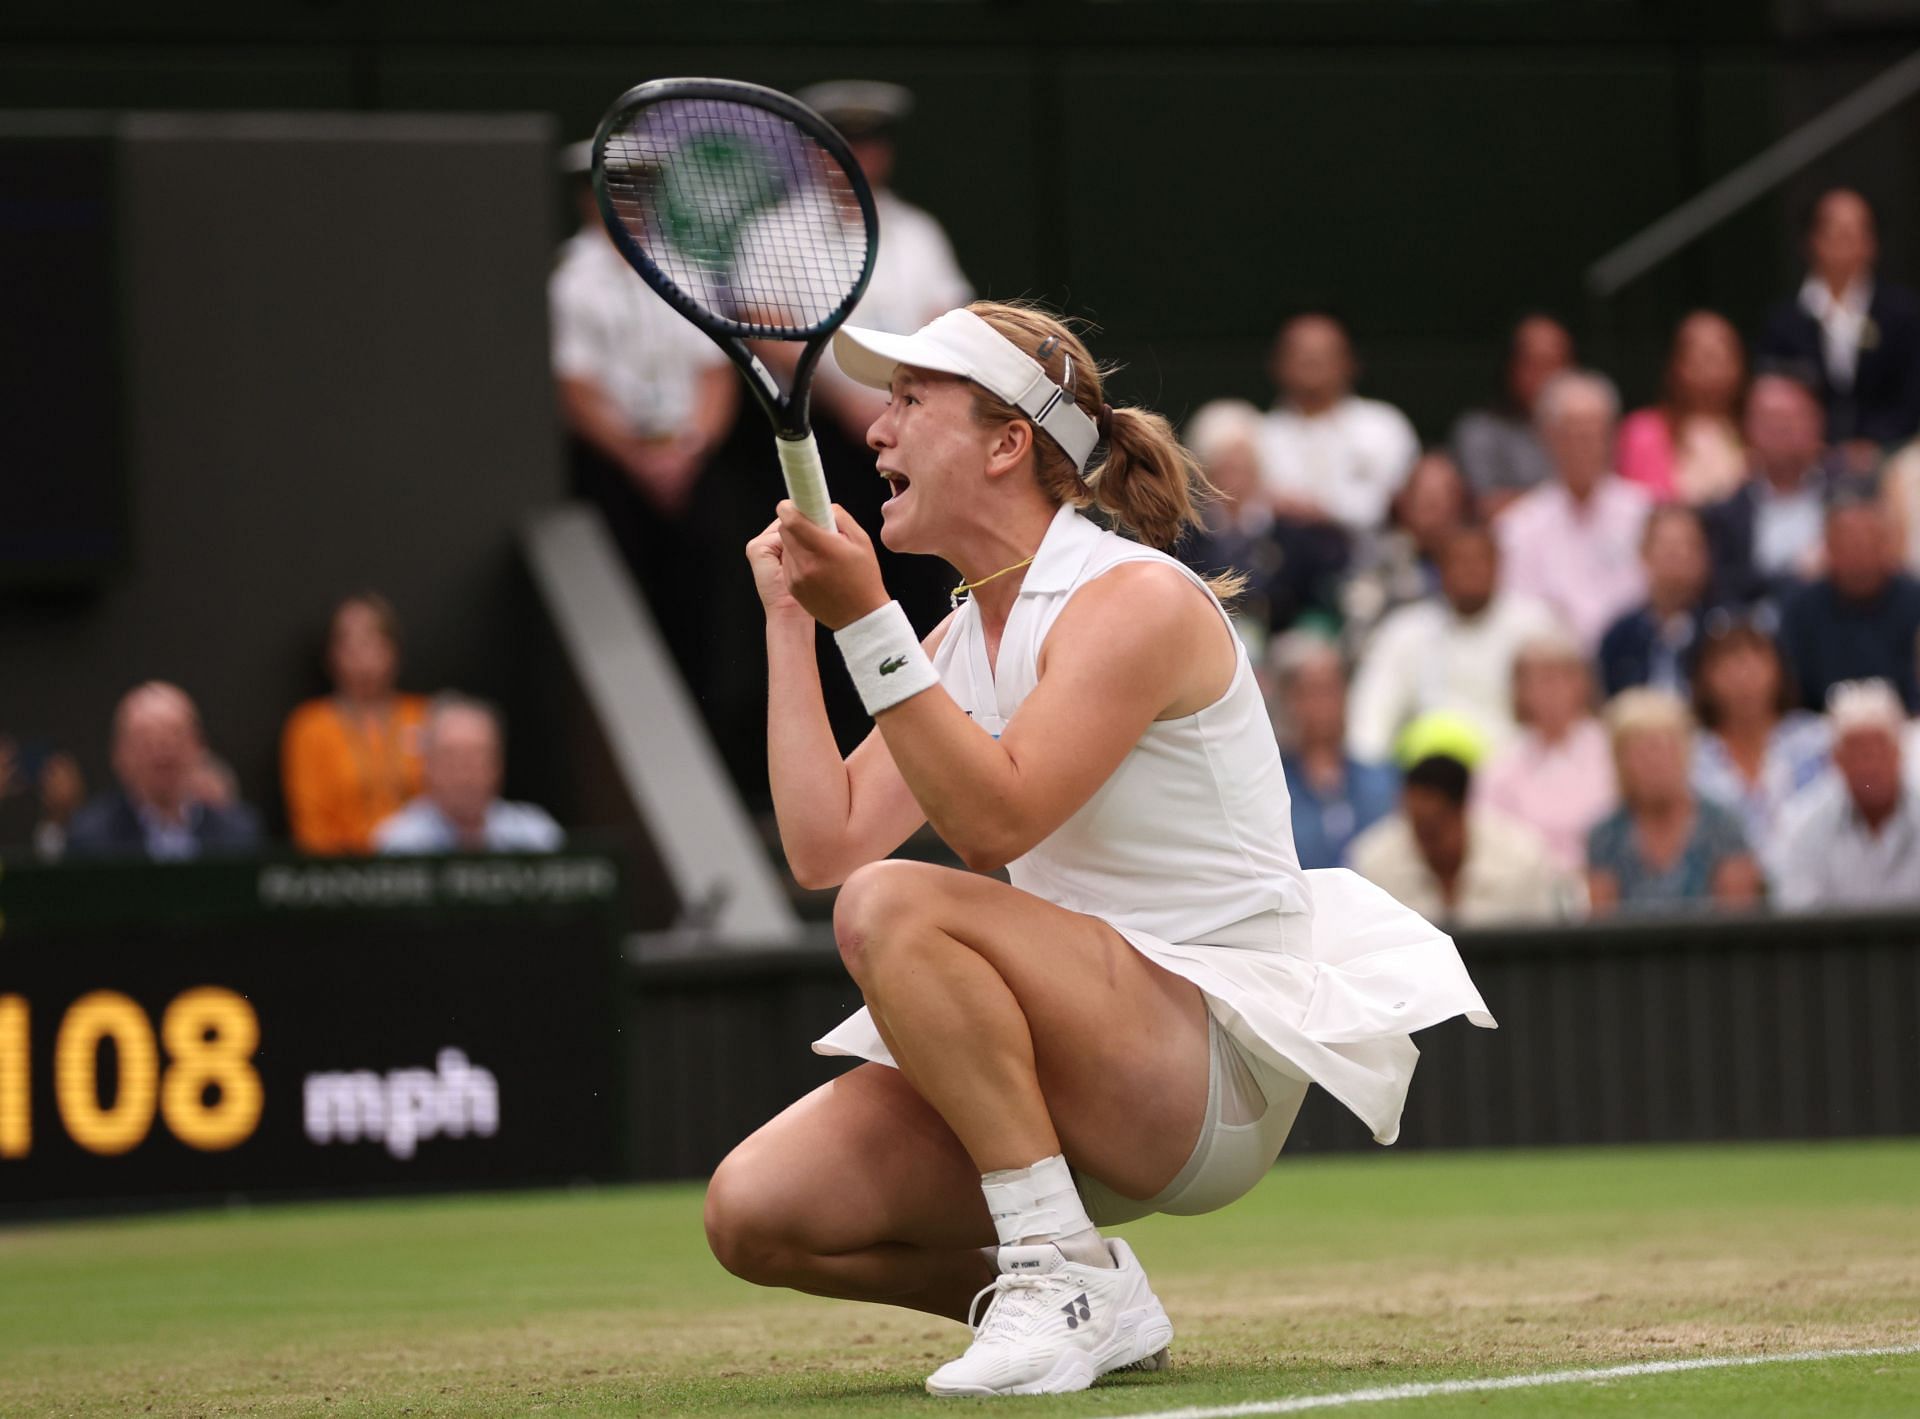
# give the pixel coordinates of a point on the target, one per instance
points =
(1574, 542)
(1556, 776)
(1335, 796)
(1862, 619)
(1401, 564)
(1466, 866)
(916, 275)
(1454, 651)
(461, 809)
(1327, 455)
(1765, 538)
(1291, 568)
(1852, 839)
(645, 399)
(352, 759)
(1861, 333)
(1756, 747)
(160, 810)
(1653, 644)
(1688, 445)
(40, 790)
(1499, 449)
(1665, 848)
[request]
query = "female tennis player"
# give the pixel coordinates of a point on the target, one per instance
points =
(1131, 1025)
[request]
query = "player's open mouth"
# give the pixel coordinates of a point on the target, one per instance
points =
(895, 481)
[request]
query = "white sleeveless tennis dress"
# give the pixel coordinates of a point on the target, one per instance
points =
(1187, 851)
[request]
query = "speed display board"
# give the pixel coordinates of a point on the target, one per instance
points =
(223, 1029)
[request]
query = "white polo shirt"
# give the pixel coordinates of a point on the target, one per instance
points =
(1426, 656)
(915, 274)
(1350, 460)
(610, 327)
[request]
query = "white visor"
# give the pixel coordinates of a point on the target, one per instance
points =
(961, 343)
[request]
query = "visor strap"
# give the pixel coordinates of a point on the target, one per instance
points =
(1054, 411)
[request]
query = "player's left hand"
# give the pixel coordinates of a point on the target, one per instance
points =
(835, 575)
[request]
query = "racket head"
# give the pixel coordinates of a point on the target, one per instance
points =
(741, 206)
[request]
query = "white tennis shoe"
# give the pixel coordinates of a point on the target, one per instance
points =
(1053, 1325)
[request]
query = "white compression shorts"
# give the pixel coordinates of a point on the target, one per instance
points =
(1250, 1110)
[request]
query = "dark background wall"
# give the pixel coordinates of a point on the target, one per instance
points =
(1186, 174)
(331, 383)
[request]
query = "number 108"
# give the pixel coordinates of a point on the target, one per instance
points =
(208, 1093)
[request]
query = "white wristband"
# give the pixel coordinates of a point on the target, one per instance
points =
(885, 659)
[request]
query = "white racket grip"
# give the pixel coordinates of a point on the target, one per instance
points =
(806, 479)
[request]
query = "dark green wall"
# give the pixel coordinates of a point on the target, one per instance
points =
(1184, 173)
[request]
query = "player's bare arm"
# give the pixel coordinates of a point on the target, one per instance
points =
(1139, 644)
(834, 815)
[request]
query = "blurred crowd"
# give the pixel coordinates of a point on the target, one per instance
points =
(365, 769)
(1580, 660)
(1574, 660)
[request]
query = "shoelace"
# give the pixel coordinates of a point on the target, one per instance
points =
(1010, 1312)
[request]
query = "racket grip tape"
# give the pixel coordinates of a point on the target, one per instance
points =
(806, 479)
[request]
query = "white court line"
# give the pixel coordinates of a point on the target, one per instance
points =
(1386, 1393)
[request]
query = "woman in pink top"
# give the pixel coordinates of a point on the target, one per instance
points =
(1557, 776)
(1688, 445)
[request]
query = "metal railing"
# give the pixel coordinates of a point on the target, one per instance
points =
(1753, 179)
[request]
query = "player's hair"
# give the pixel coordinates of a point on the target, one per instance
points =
(1148, 482)
(1442, 774)
(1645, 710)
(1726, 635)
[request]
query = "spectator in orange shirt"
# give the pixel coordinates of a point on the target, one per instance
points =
(353, 758)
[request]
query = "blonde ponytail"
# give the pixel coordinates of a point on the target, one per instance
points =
(1147, 481)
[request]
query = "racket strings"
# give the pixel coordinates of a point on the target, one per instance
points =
(742, 211)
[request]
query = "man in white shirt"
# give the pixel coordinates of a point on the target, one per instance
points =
(1451, 652)
(1458, 864)
(648, 401)
(1327, 455)
(1851, 838)
(915, 273)
(1574, 542)
(915, 278)
(638, 385)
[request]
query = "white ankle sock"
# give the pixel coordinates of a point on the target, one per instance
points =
(1039, 1203)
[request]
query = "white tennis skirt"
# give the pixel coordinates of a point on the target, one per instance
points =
(1333, 997)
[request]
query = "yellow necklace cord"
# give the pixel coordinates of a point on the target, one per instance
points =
(969, 586)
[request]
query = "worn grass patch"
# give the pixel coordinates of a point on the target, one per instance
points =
(1337, 1274)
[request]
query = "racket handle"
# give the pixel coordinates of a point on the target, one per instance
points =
(806, 479)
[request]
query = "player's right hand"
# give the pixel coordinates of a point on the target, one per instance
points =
(764, 555)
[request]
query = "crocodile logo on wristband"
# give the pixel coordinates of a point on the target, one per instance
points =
(892, 663)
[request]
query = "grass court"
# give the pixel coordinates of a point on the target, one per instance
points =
(1338, 1274)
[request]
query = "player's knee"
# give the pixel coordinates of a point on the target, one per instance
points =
(743, 1220)
(877, 906)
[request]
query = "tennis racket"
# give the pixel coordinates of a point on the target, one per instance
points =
(746, 211)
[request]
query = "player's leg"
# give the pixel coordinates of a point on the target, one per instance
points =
(859, 1191)
(1038, 1035)
(1030, 1029)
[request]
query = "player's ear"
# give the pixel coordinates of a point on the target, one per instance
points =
(1012, 442)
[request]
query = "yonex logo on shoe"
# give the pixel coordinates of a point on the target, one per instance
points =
(891, 664)
(1077, 1310)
